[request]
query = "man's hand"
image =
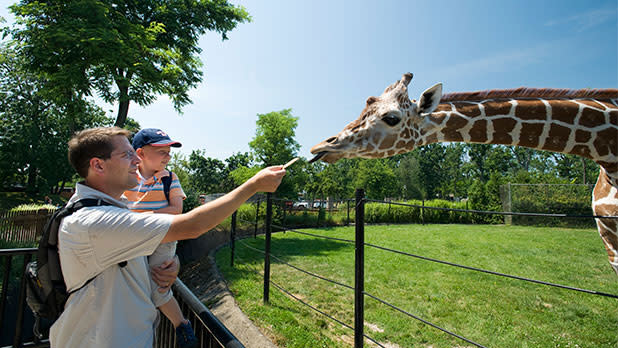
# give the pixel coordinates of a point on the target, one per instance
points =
(166, 273)
(268, 179)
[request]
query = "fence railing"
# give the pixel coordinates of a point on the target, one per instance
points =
(16, 319)
(360, 244)
(23, 226)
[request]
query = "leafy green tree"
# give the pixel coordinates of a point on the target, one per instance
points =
(34, 130)
(336, 180)
(205, 174)
(274, 141)
(408, 175)
(124, 50)
(432, 174)
(376, 177)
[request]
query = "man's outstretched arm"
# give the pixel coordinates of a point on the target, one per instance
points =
(203, 218)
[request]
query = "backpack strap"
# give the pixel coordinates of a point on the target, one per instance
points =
(167, 184)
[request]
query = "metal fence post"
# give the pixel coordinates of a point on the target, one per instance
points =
(257, 214)
(423, 212)
(232, 238)
(347, 221)
(269, 215)
(359, 269)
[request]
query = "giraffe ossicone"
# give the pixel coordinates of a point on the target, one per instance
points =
(580, 122)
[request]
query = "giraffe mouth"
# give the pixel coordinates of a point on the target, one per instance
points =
(318, 156)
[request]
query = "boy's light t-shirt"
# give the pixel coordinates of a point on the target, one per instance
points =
(148, 195)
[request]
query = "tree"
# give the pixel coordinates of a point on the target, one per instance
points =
(124, 50)
(274, 141)
(376, 177)
(206, 174)
(34, 130)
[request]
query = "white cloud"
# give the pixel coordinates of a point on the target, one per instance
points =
(586, 20)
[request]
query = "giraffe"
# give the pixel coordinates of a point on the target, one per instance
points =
(579, 122)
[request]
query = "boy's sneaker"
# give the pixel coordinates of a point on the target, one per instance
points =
(185, 337)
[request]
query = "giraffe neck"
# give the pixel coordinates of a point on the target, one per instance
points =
(581, 127)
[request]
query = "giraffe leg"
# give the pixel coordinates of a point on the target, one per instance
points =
(607, 230)
(605, 203)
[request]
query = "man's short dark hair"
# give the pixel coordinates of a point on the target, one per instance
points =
(92, 142)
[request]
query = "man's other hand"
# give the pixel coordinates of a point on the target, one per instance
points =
(166, 273)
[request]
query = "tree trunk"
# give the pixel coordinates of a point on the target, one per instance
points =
(31, 184)
(123, 110)
(123, 100)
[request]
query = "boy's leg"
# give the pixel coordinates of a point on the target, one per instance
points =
(172, 311)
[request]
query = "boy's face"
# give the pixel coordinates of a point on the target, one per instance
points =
(154, 157)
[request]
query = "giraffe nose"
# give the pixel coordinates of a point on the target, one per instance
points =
(331, 140)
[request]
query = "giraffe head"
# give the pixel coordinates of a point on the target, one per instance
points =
(388, 125)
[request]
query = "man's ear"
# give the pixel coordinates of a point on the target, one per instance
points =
(96, 165)
(140, 152)
(430, 99)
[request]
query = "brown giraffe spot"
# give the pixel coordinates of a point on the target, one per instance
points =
(406, 133)
(376, 140)
(401, 144)
(433, 138)
(443, 108)
(530, 134)
(606, 105)
(369, 147)
(531, 110)
(455, 123)
(493, 108)
(388, 142)
(582, 136)
(564, 110)
(593, 103)
(437, 119)
(592, 118)
(581, 150)
(605, 142)
(502, 127)
(556, 138)
(390, 153)
(470, 110)
(610, 167)
(452, 135)
(410, 144)
(613, 117)
(478, 132)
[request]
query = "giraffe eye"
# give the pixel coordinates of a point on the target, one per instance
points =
(391, 119)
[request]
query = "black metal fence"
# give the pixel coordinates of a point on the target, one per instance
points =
(360, 245)
(17, 321)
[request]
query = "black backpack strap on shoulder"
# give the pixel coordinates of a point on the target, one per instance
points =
(167, 184)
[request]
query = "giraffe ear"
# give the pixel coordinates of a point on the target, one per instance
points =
(430, 99)
(371, 100)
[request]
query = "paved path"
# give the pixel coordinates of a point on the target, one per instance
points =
(205, 281)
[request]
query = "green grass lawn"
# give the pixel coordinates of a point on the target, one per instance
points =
(490, 310)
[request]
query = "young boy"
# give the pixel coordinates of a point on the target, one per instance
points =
(153, 148)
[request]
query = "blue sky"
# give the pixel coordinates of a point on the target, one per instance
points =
(324, 58)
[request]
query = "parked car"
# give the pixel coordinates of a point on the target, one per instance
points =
(300, 205)
(319, 204)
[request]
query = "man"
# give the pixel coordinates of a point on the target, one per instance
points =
(115, 308)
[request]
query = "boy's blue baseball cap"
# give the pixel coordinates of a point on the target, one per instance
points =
(154, 137)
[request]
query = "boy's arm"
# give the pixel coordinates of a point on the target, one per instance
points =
(174, 207)
(203, 218)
